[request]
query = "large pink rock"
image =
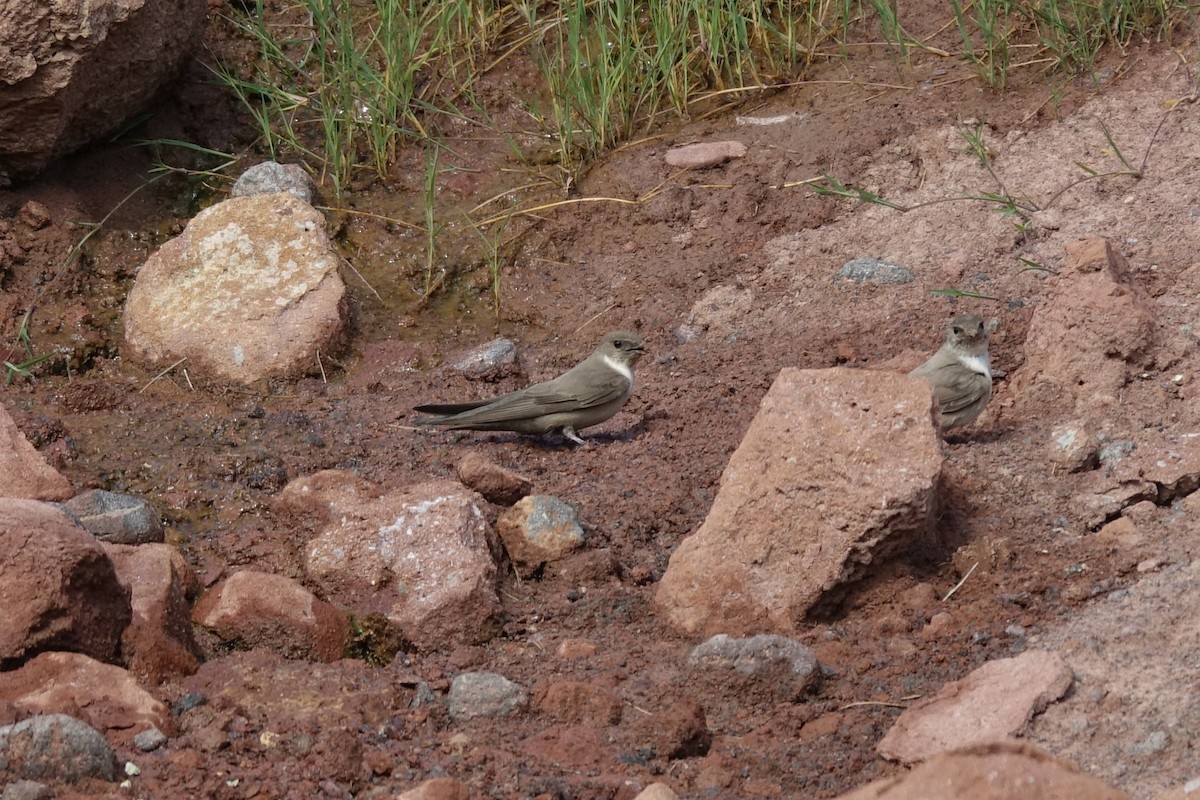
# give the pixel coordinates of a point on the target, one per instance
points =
(424, 556)
(994, 702)
(249, 290)
(1093, 327)
(997, 771)
(159, 643)
(74, 71)
(58, 588)
(23, 471)
(258, 609)
(838, 469)
(106, 697)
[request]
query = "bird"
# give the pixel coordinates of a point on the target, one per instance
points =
(960, 372)
(585, 395)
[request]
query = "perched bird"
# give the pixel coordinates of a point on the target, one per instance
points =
(585, 395)
(960, 372)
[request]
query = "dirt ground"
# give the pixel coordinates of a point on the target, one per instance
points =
(761, 249)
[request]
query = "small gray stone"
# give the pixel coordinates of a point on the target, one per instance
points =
(270, 177)
(26, 790)
(55, 747)
(1115, 450)
(775, 665)
(116, 518)
(872, 270)
(490, 361)
(424, 696)
(149, 740)
(484, 694)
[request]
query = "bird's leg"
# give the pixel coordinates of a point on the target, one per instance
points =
(569, 432)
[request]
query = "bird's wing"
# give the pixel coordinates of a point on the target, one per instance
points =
(957, 388)
(554, 396)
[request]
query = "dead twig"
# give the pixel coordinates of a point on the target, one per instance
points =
(958, 585)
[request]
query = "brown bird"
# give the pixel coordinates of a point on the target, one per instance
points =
(960, 372)
(585, 395)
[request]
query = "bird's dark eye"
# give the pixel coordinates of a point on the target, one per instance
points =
(958, 331)
(619, 344)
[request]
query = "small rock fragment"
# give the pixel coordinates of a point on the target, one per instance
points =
(579, 702)
(1073, 446)
(484, 694)
(995, 701)
(497, 484)
(768, 665)
(258, 609)
(270, 177)
(437, 789)
(657, 791)
(489, 362)
(705, 154)
(678, 731)
(872, 270)
(149, 740)
(539, 528)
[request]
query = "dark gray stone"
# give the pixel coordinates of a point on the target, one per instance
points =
(55, 747)
(116, 518)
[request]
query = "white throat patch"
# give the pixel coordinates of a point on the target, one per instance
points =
(981, 364)
(619, 367)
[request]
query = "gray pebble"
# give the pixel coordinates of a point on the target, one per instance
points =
(150, 739)
(55, 747)
(489, 361)
(484, 694)
(270, 177)
(872, 270)
(116, 518)
(777, 664)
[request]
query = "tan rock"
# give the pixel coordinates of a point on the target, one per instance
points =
(497, 484)
(994, 702)
(539, 529)
(74, 72)
(1093, 325)
(438, 789)
(258, 609)
(159, 642)
(58, 588)
(704, 154)
(839, 468)
(657, 791)
(102, 695)
(23, 471)
(421, 556)
(249, 290)
(579, 702)
(996, 771)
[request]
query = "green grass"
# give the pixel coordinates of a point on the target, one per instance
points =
(343, 84)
